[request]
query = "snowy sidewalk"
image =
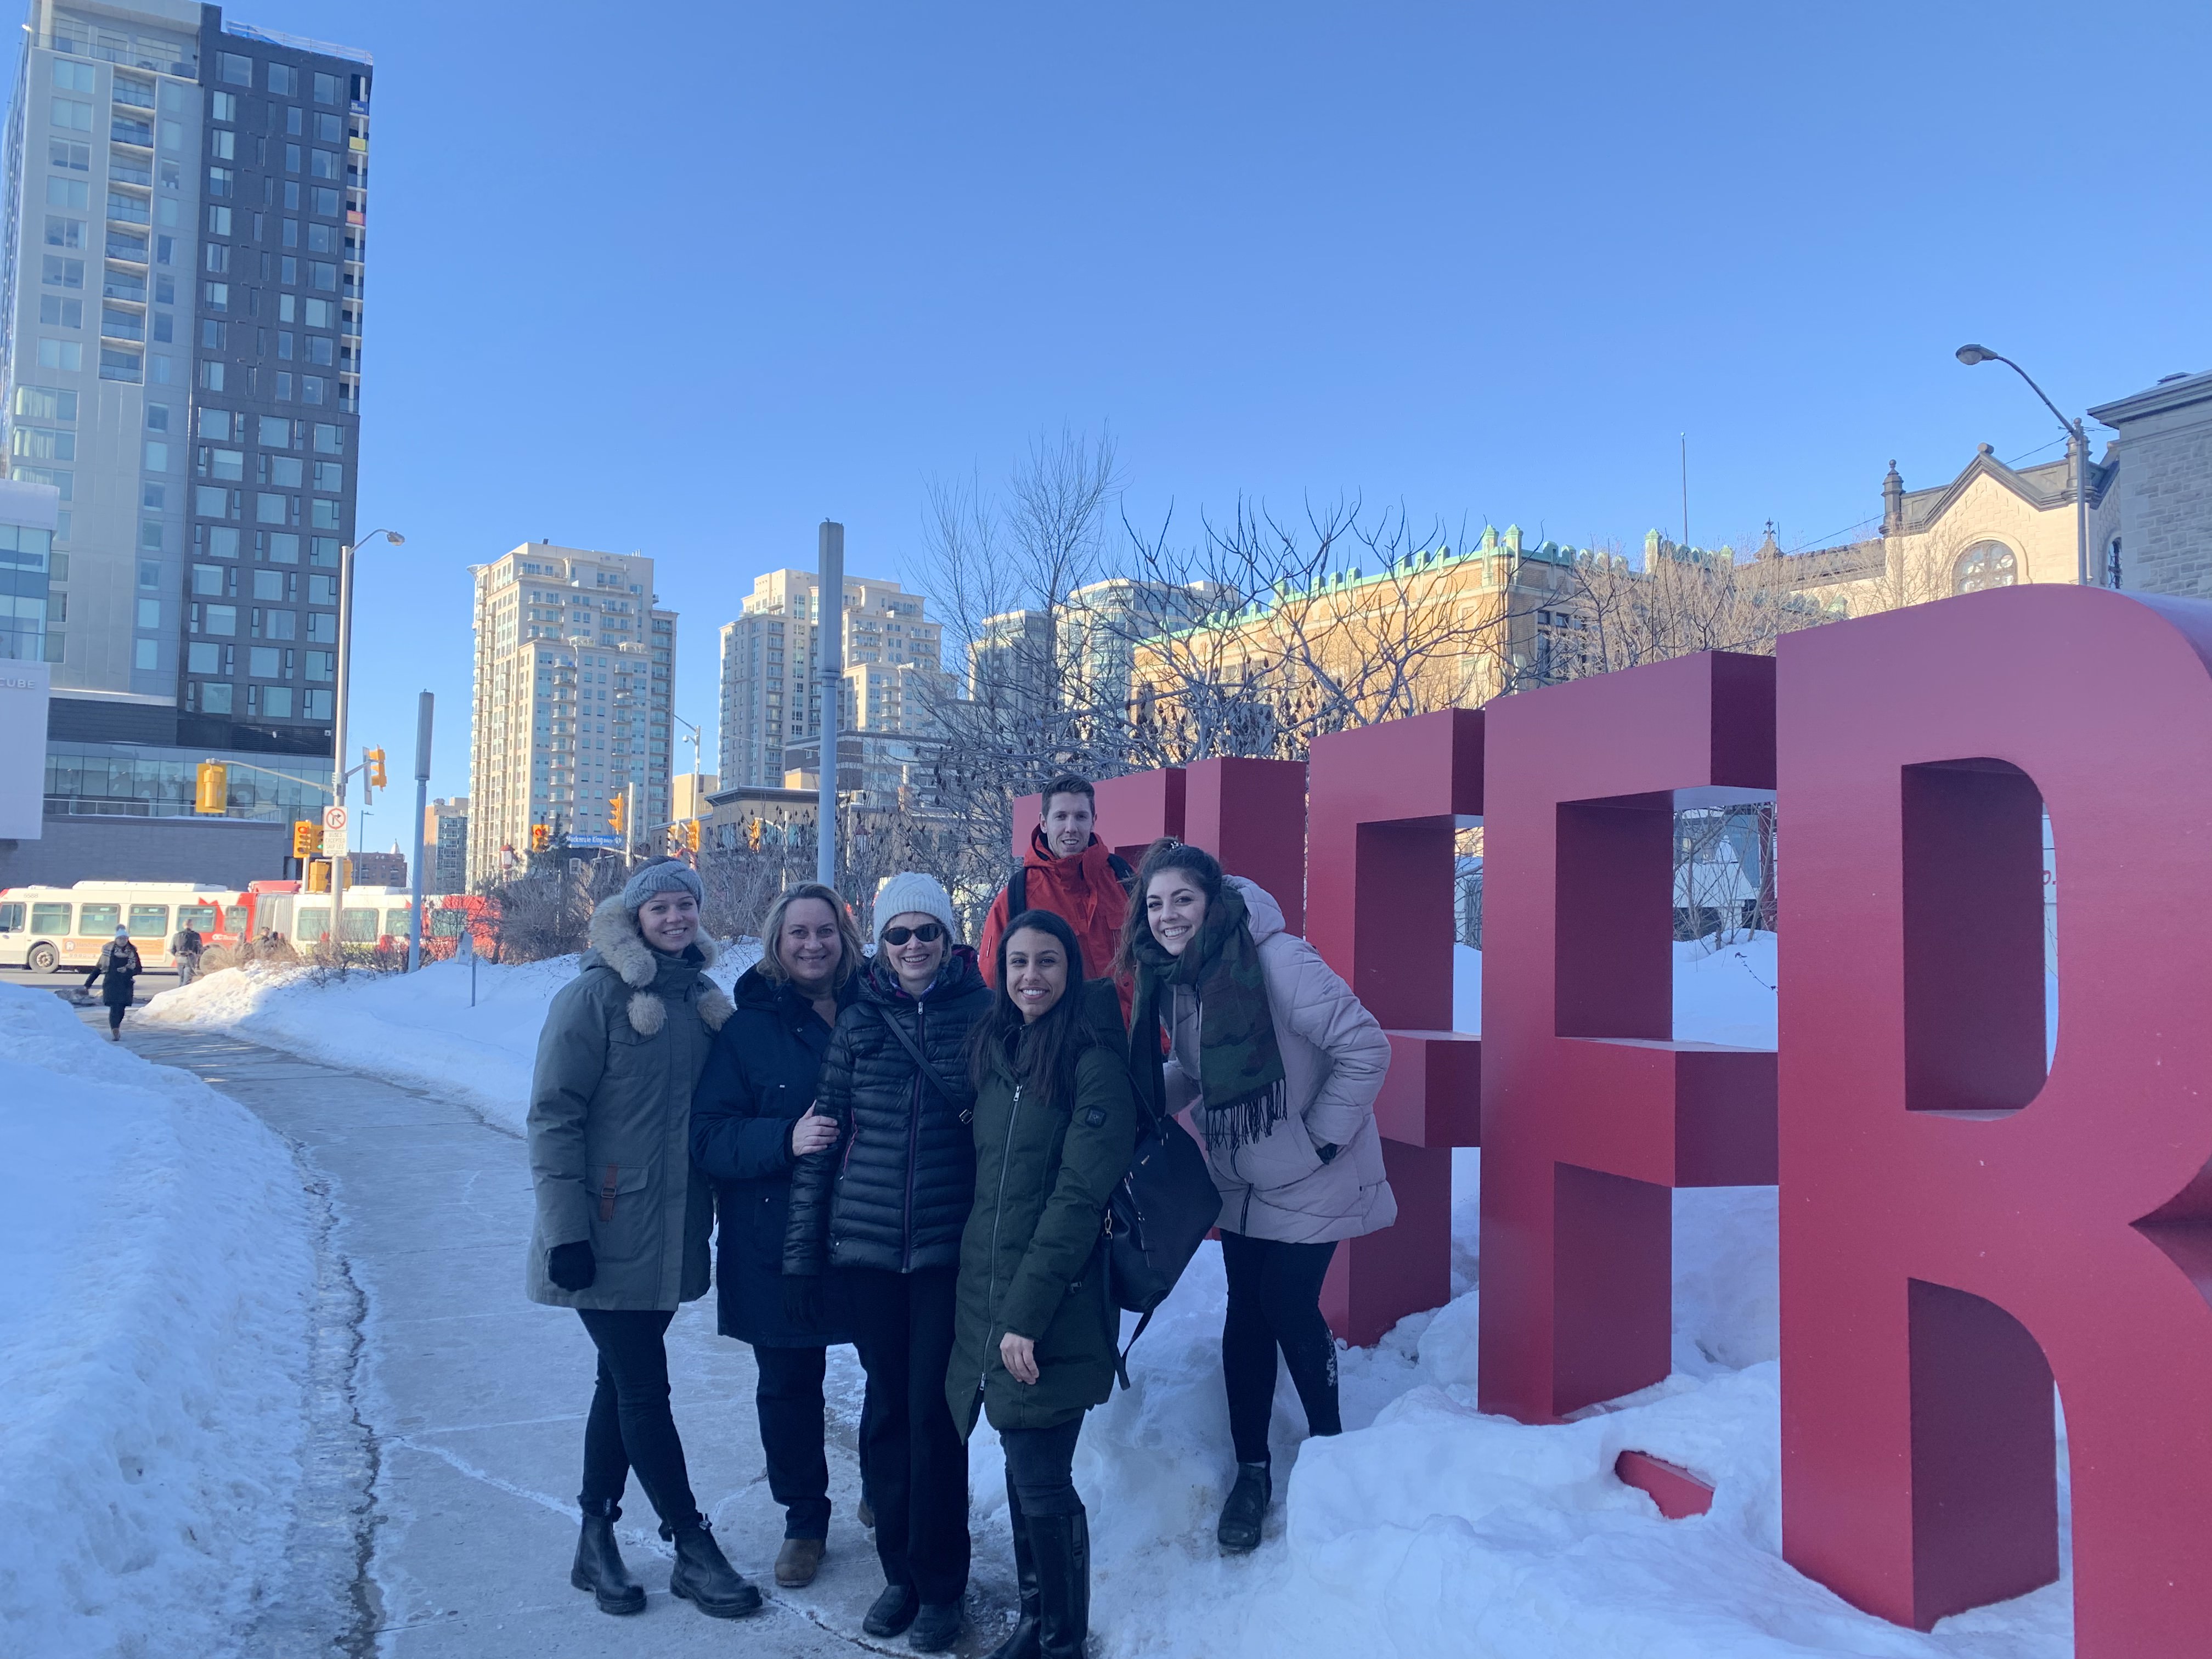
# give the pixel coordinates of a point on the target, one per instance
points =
(473, 1400)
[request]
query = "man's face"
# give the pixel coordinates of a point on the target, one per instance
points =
(1067, 822)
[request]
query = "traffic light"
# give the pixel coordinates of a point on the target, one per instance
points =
(540, 838)
(753, 835)
(690, 833)
(306, 838)
(319, 875)
(212, 789)
(374, 757)
(618, 814)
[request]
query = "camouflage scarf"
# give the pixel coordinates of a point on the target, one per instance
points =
(1240, 1067)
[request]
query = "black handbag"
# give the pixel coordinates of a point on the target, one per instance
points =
(1159, 1214)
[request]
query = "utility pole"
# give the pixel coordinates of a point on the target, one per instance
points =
(338, 766)
(422, 710)
(830, 608)
(1685, 490)
(629, 823)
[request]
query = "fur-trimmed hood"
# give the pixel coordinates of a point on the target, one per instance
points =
(615, 941)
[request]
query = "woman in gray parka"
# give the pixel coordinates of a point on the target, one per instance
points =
(1244, 1022)
(624, 1217)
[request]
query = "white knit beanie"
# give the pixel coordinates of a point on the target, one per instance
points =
(912, 891)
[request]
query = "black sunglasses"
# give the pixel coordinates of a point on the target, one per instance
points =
(929, 932)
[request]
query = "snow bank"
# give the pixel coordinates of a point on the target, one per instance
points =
(156, 1267)
(420, 1030)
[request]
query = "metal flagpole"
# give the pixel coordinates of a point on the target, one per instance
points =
(422, 710)
(830, 625)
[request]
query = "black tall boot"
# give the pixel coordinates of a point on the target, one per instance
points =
(1061, 1545)
(599, 1567)
(1023, 1644)
(703, 1576)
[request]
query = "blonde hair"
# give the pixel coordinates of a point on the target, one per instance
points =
(851, 950)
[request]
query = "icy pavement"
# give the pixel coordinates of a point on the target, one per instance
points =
(470, 1404)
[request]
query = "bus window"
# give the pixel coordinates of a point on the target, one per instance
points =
(150, 922)
(50, 919)
(395, 922)
(313, 923)
(448, 924)
(234, 920)
(359, 927)
(205, 917)
(12, 918)
(94, 920)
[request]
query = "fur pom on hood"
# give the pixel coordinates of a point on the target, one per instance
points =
(614, 934)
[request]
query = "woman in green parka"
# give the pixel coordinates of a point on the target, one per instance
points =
(1035, 1333)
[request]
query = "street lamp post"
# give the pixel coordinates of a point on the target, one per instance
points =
(338, 733)
(2077, 441)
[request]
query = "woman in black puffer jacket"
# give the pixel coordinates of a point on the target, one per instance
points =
(883, 1206)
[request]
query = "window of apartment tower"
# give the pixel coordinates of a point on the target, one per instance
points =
(1985, 564)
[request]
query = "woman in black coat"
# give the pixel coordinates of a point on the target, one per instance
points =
(753, 1119)
(119, 962)
(878, 1212)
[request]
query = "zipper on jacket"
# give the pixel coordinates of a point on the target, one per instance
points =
(998, 1214)
(912, 1140)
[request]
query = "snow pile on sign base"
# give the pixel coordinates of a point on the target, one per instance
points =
(155, 1265)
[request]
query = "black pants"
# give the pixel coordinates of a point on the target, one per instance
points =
(115, 1013)
(916, 1468)
(1274, 1302)
(788, 1401)
(1041, 1469)
(631, 1426)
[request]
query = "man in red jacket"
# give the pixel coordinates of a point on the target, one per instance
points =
(1070, 873)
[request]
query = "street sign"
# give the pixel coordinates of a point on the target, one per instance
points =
(334, 832)
(595, 840)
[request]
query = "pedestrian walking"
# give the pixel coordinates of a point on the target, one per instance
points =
(120, 966)
(1035, 1341)
(753, 1119)
(1283, 1064)
(624, 1217)
(186, 948)
(880, 1210)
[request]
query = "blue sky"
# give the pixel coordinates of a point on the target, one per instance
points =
(686, 279)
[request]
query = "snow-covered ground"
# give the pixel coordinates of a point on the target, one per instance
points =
(156, 1264)
(1428, 1528)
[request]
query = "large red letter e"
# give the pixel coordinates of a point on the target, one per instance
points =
(1956, 1229)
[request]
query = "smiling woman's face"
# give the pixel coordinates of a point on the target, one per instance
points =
(1037, 972)
(1174, 905)
(915, 958)
(809, 946)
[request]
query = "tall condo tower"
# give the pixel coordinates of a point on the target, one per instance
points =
(182, 292)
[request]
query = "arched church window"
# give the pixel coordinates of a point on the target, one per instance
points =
(1985, 564)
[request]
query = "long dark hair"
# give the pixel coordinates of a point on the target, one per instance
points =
(1166, 854)
(1045, 1062)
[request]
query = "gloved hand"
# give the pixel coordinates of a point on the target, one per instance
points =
(802, 1300)
(572, 1267)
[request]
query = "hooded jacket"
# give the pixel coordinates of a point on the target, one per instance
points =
(892, 1192)
(1083, 890)
(1030, 1261)
(759, 1077)
(1334, 1056)
(611, 1117)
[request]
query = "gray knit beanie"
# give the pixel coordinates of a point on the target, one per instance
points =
(912, 891)
(668, 876)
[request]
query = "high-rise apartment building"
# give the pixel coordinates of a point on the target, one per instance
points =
(182, 288)
(445, 844)
(575, 671)
(771, 699)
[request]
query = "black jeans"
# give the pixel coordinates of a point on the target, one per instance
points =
(631, 1426)
(1274, 1302)
(1040, 1469)
(787, 1399)
(115, 1013)
(914, 1465)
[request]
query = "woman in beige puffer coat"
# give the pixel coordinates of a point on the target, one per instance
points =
(1282, 1064)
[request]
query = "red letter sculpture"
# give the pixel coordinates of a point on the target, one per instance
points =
(1385, 801)
(1956, 1230)
(1591, 1113)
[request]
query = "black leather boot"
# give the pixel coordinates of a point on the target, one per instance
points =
(1062, 1547)
(1023, 1644)
(1246, 1512)
(599, 1566)
(703, 1576)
